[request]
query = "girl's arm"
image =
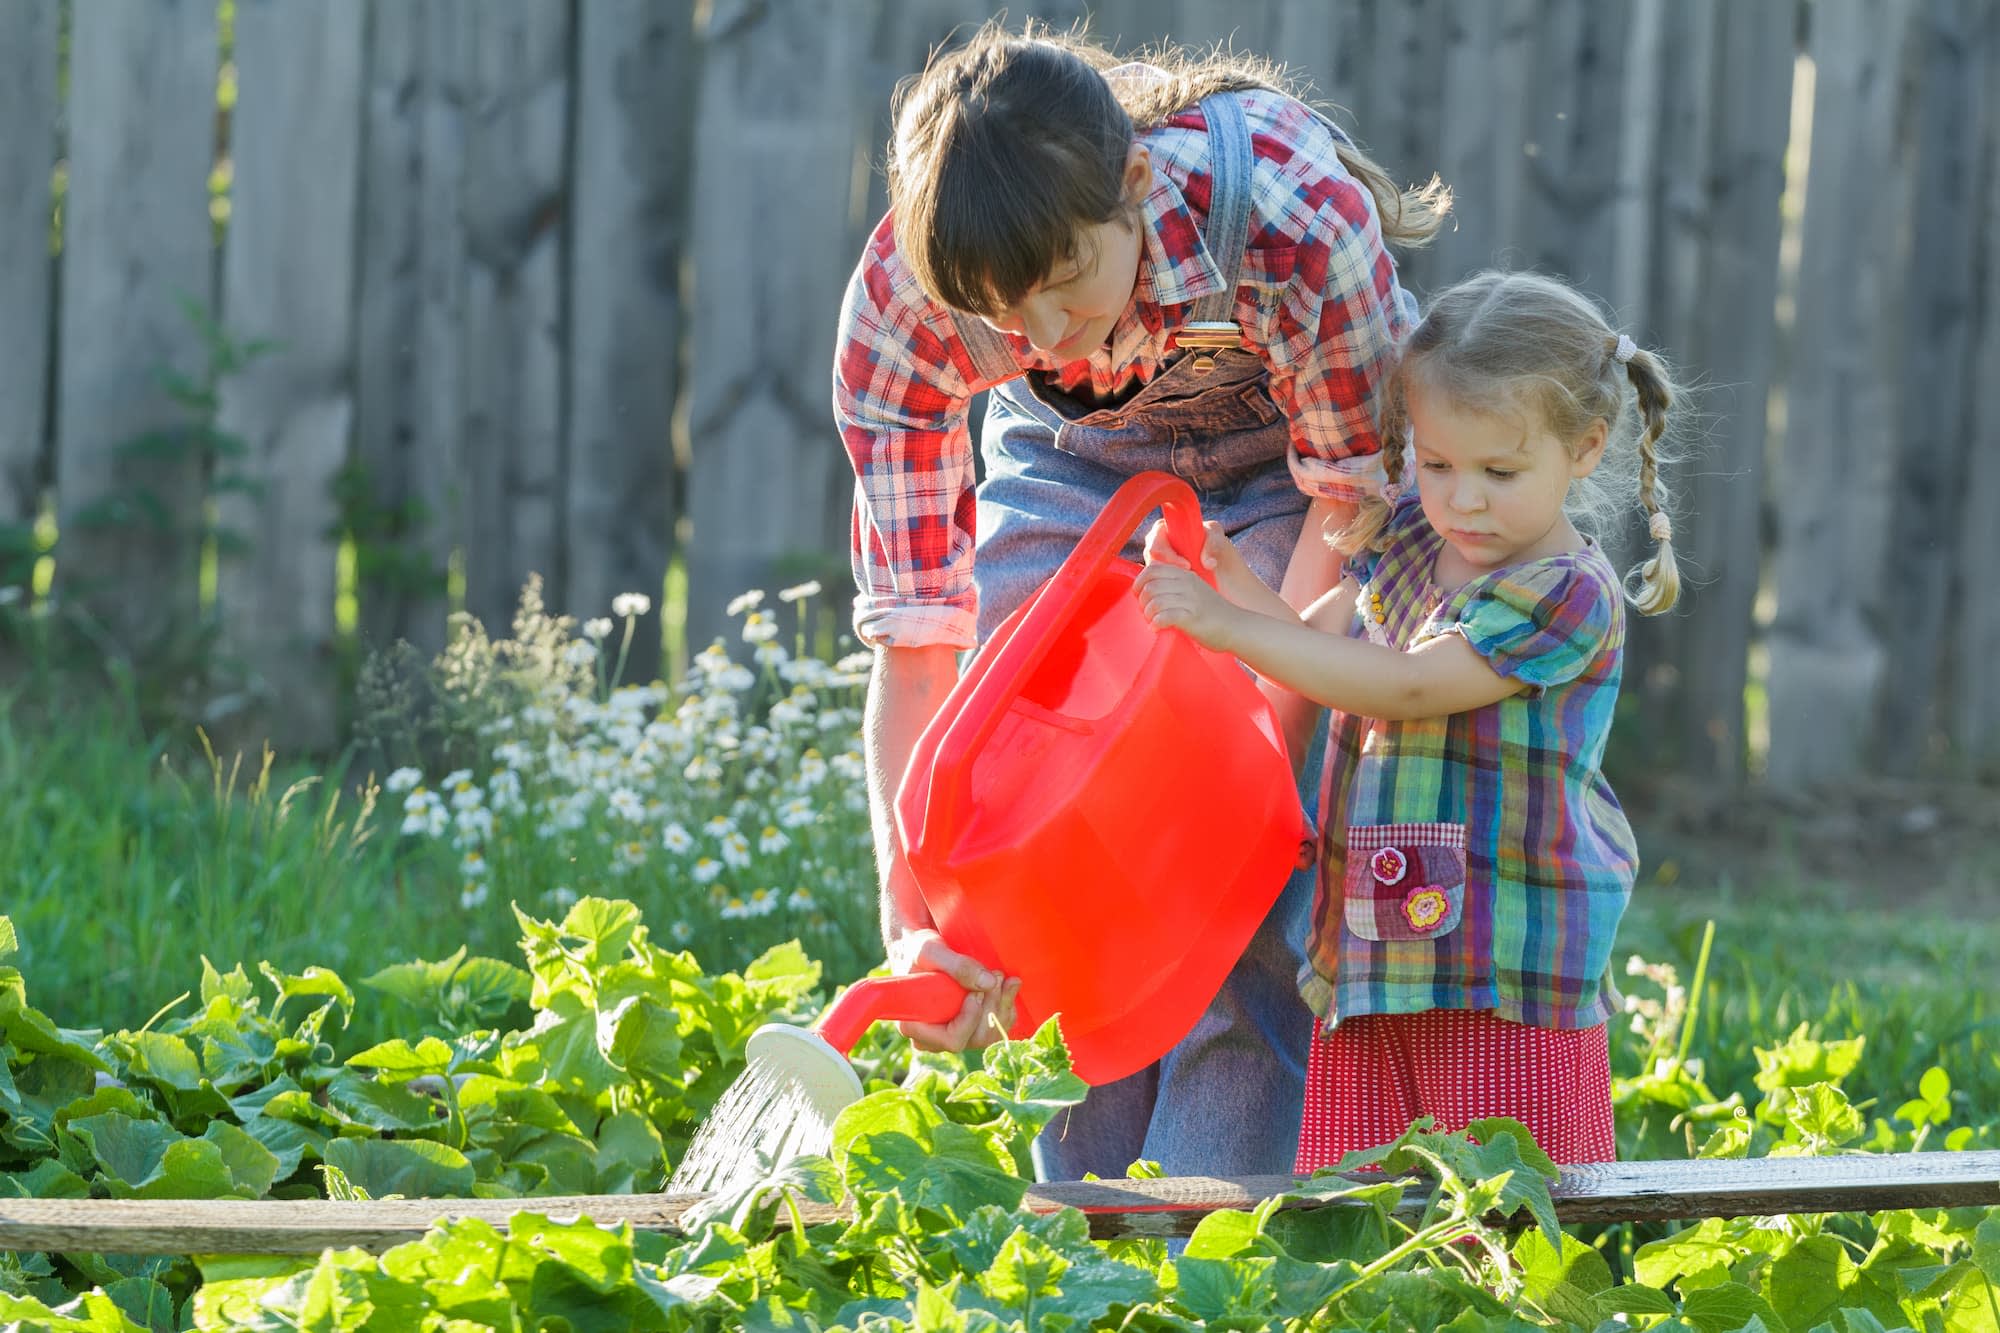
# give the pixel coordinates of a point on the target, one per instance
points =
(1311, 578)
(1317, 661)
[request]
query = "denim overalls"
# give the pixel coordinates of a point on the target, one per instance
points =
(1227, 1099)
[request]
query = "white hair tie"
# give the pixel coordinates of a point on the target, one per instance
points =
(1660, 528)
(1625, 350)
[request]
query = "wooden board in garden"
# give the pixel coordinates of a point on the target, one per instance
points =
(288, 277)
(1621, 1191)
(27, 157)
(138, 244)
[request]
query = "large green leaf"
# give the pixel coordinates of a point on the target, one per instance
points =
(399, 1060)
(148, 1159)
(380, 1106)
(413, 1168)
(1727, 1308)
(313, 983)
(641, 1038)
(46, 1179)
(92, 1313)
(894, 1142)
(252, 1166)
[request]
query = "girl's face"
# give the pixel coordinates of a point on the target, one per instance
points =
(1493, 484)
(1071, 313)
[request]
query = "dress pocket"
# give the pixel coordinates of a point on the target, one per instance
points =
(1404, 881)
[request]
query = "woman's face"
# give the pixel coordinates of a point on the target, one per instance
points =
(1071, 313)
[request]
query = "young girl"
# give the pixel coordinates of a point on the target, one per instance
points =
(1171, 265)
(1474, 861)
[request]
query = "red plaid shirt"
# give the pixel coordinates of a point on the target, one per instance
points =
(1317, 296)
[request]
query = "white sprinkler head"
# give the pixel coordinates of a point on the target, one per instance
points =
(805, 1058)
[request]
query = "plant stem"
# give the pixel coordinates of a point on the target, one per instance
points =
(1694, 993)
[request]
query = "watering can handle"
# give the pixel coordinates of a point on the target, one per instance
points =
(921, 997)
(1054, 606)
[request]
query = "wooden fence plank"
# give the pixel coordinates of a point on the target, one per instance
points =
(1950, 97)
(778, 134)
(1731, 342)
(1402, 132)
(1975, 684)
(410, 310)
(1616, 1191)
(516, 159)
(137, 245)
(1844, 432)
(1489, 65)
(1573, 173)
(629, 221)
(28, 109)
(1669, 321)
(288, 276)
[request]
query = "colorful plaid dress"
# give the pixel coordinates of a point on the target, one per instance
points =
(1478, 861)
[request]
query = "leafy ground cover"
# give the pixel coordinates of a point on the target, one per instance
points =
(630, 1043)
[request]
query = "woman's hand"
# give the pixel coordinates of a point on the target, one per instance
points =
(989, 1003)
(1177, 598)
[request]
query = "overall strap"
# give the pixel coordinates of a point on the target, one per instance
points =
(1229, 159)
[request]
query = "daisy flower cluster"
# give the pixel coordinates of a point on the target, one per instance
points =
(731, 806)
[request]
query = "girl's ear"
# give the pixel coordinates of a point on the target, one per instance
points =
(1588, 451)
(1138, 181)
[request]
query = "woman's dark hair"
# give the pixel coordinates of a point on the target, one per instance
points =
(1035, 108)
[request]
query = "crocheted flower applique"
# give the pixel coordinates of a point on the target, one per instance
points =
(1425, 906)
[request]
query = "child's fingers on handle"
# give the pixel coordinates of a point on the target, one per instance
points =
(1160, 549)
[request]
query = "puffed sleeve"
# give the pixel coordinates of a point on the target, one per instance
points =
(1545, 623)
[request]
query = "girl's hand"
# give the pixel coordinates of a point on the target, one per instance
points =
(1218, 555)
(1175, 597)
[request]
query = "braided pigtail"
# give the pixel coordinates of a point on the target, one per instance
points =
(1659, 579)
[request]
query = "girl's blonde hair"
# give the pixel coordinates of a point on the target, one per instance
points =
(1522, 343)
(1006, 149)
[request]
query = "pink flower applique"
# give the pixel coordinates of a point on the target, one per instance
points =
(1424, 907)
(1389, 865)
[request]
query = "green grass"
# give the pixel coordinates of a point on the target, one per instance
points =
(125, 864)
(1917, 982)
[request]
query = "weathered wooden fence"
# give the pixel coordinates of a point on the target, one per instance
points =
(552, 287)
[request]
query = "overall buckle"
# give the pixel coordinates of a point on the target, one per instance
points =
(1206, 337)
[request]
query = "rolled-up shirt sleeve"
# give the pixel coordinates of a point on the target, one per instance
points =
(900, 399)
(1333, 344)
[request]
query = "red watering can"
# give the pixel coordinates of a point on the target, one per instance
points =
(1100, 808)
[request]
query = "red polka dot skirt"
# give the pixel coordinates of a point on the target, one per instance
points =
(1375, 1073)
